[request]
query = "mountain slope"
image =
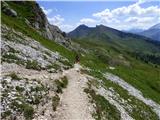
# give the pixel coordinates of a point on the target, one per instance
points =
(153, 32)
(114, 37)
(157, 26)
(134, 30)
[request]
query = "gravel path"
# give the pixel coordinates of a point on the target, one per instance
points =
(74, 104)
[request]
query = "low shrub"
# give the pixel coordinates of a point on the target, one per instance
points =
(62, 83)
(28, 111)
(33, 65)
(5, 114)
(55, 66)
(55, 102)
(14, 76)
(66, 63)
(19, 89)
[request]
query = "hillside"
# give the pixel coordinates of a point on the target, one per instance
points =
(117, 78)
(112, 36)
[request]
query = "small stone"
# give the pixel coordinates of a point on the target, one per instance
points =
(10, 12)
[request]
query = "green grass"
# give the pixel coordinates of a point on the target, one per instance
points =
(55, 66)
(143, 77)
(14, 76)
(22, 10)
(33, 65)
(64, 81)
(55, 102)
(28, 111)
(104, 110)
(10, 56)
(19, 89)
(139, 109)
(5, 114)
(25, 108)
(66, 63)
(60, 84)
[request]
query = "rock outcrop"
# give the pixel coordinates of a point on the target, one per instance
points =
(40, 22)
(8, 11)
(37, 20)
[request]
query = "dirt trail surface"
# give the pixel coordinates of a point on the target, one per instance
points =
(74, 104)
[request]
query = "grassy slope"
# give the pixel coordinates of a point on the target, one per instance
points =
(144, 77)
(139, 109)
(23, 9)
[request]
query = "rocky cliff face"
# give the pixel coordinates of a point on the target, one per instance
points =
(37, 19)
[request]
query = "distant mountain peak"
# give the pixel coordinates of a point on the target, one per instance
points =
(134, 30)
(82, 26)
(157, 26)
(153, 32)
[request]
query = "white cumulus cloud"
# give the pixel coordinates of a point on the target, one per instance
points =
(130, 16)
(140, 20)
(56, 20)
(67, 27)
(46, 11)
(87, 21)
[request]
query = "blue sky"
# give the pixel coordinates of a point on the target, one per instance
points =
(120, 15)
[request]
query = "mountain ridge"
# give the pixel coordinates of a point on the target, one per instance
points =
(156, 26)
(152, 32)
(112, 36)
